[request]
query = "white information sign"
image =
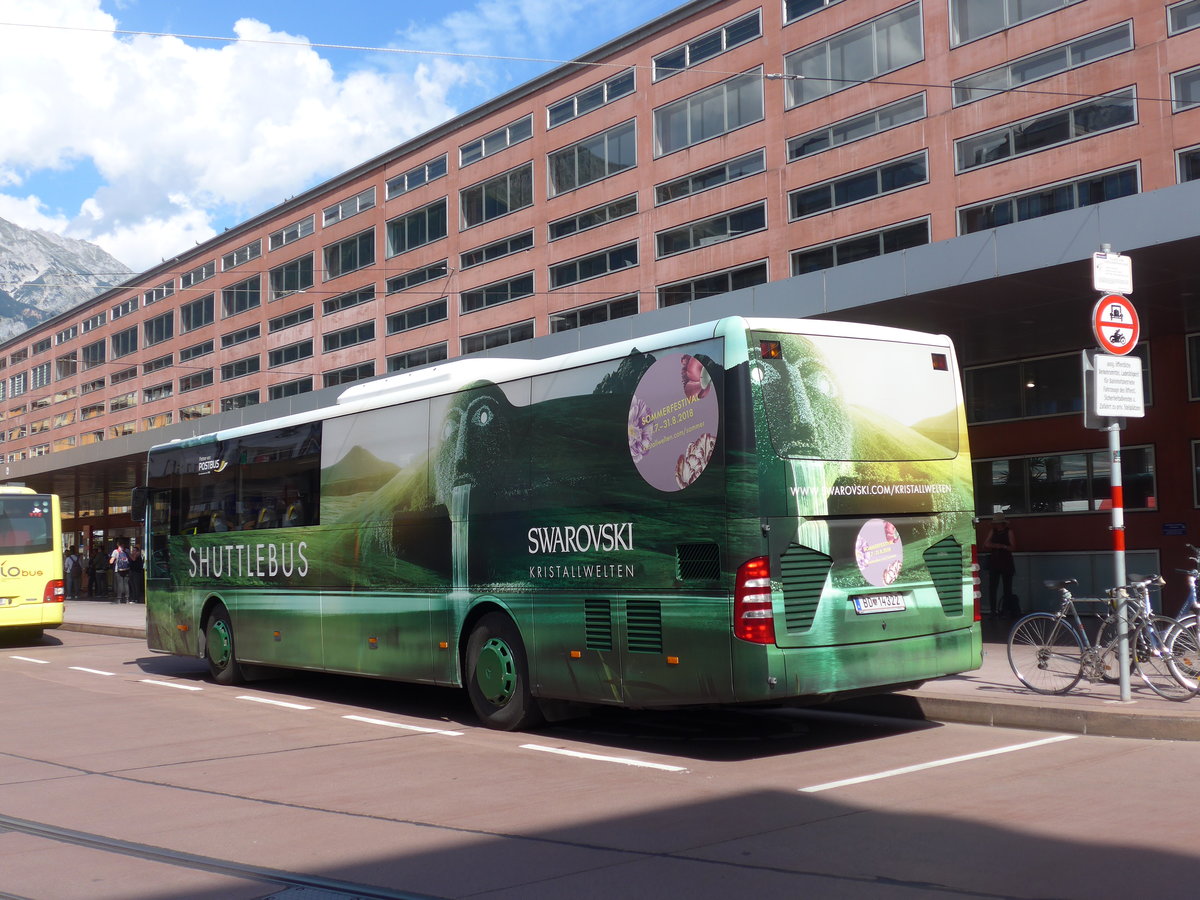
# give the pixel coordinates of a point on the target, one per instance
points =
(1112, 273)
(1119, 386)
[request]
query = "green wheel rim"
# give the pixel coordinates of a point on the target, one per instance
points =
(220, 644)
(496, 672)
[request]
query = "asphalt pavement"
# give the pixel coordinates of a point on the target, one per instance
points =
(990, 695)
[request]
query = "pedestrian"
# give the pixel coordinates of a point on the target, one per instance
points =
(73, 570)
(1000, 544)
(119, 560)
(97, 570)
(137, 568)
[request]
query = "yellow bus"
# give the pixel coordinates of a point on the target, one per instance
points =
(31, 562)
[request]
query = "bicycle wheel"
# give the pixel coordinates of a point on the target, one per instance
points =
(1045, 653)
(1156, 662)
(1109, 659)
(1183, 643)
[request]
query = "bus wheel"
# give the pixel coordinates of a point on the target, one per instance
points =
(498, 676)
(218, 649)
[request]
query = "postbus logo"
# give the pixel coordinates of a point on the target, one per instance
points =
(208, 464)
(15, 571)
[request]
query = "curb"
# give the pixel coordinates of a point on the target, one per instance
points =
(128, 631)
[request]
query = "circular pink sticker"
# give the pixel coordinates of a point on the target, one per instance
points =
(673, 421)
(878, 552)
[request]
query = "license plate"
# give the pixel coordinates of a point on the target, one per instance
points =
(878, 603)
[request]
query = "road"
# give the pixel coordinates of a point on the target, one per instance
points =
(125, 774)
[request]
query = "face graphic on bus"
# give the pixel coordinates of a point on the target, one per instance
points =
(477, 437)
(809, 418)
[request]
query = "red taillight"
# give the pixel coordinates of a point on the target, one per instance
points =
(976, 584)
(54, 592)
(753, 617)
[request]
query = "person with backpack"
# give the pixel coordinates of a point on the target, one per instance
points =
(73, 570)
(137, 575)
(119, 560)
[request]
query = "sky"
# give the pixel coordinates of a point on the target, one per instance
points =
(147, 144)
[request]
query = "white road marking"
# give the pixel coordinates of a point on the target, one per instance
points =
(182, 687)
(940, 762)
(91, 671)
(43, 662)
(598, 758)
(275, 702)
(388, 724)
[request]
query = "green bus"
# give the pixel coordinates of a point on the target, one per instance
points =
(746, 511)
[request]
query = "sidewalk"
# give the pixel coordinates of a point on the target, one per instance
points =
(989, 696)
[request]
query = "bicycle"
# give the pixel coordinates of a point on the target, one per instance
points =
(1050, 652)
(1183, 640)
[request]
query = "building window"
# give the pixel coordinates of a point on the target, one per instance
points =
(416, 229)
(91, 411)
(290, 320)
(163, 362)
(1033, 388)
(497, 196)
(712, 177)
(351, 206)
(123, 375)
(497, 293)
(1185, 89)
(125, 342)
(162, 292)
(1048, 200)
(90, 387)
(893, 115)
(289, 354)
(41, 346)
(195, 411)
(1063, 482)
(708, 45)
(417, 177)
(594, 314)
(241, 336)
(594, 217)
(1183, 16)
(713, 230)
(240, 297)
(857, 187)
(348, 337)
(160, 420)
(885, 44)
(350, 255)
(798, 9)
(413, 358)
(712, 285)
(709, 113)
(589, 99)
(198, 274)
(293, 276)
(412, 278)
(124, 308)
(63, 419)
(239, 401)
(971, 19)
(417, 317)
(290, 388)
(349, 374)
(158, 392)
(39, 375)
(196, 314)
(496, 250)
(1044, 63)
(195, 381)
(66, 366)
(241, 368)
(1063, 126)
(91, 437)
(95, 321)
(159, 329)
(497, 337)
(19, 355)
(195, 351)
(593, 159)
(859, 247)
(500, 139)
(1189, 164)
(17, 384)
(67, 334)
(39, 450)
(69, 393)
(346, 301)
(123, 401)
(94, 355)
(241, 255)
(291, 233)
(594, 265)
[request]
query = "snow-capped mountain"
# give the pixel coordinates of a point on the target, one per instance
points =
(42, 274)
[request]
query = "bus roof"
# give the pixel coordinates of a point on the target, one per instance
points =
(456, 374)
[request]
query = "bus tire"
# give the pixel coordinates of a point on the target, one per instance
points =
(219, 649)
(497, 675)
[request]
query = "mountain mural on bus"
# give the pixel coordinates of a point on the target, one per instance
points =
(625, 474)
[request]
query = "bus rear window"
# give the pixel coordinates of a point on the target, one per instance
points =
(857, 399)
(26, 524)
